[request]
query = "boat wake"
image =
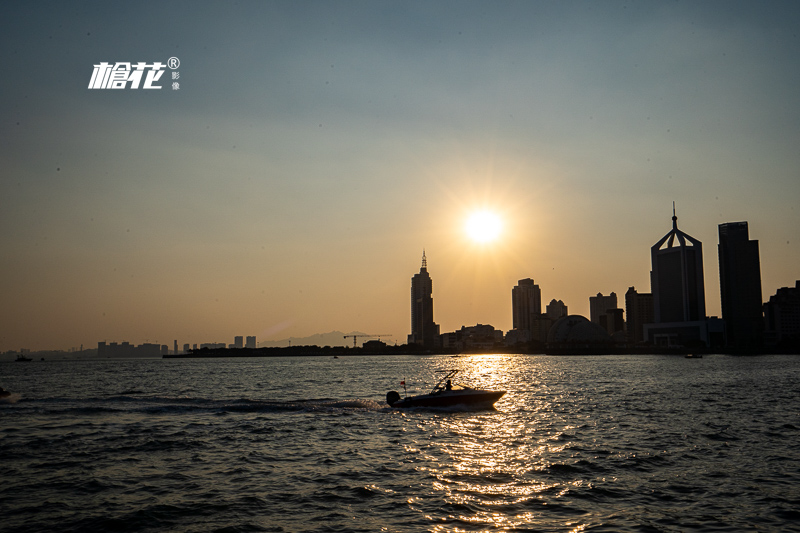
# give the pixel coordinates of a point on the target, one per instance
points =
(11, 398)
(169, 405)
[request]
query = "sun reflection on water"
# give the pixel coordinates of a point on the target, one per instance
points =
(498, 469)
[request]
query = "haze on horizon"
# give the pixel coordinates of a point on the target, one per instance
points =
(315, 148)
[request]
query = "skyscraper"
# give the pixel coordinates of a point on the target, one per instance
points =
(676, 281)
(526, 306)
(424, 331)
(639, 311)
(676, 277)
(599, 305)
(740, 285)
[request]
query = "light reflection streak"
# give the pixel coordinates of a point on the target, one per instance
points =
(495, 468)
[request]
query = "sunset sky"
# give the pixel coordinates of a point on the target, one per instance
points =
(314, 149)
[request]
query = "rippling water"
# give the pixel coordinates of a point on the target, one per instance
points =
(611, 443)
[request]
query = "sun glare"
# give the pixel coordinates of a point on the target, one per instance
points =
(483, 226)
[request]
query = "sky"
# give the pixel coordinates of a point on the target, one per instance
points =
(312, 150)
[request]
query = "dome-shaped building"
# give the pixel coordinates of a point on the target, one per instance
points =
(575, 334)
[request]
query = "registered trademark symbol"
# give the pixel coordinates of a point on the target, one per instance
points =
(173, 63)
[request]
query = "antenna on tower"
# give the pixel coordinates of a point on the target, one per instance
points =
(674, 216)
(424, 261)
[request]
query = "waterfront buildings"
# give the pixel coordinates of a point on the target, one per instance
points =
(556, 309)
(740, 286)
(126, 350)
(782, 318)
(526, 309)
(477, 337)
(603, 311)
(638, 311)
(575, 334)
(424, 331)
(679, 302)
(598, 305)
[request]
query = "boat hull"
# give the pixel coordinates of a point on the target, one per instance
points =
(476, 399)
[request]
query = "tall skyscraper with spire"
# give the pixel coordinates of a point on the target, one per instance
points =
(676, 278)
(679, 301)
(424, 331)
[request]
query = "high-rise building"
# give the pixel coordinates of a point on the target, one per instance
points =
(676, 281)
(639, 311)
(526, 307)
(424, 331)
(782, 318)
(250, 342)
(599, 305)
(676, 278)
(740, 285)
(556, 309)
(238, 342)
(612, 321)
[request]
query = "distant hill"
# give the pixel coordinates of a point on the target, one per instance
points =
(333, 338)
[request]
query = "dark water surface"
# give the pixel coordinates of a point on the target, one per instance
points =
(611, 443)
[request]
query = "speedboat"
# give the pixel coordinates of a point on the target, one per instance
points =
(447, 394)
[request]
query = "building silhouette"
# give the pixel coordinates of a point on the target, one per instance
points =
(676, 278)
(740, 286)
(526, 309)
(598, 305)
(126, 349)
(782, 318)
(679, 302)
(477, 337)
(638, 311)
(424, 331)
(250, 342)
(556, 309)
(603, 310)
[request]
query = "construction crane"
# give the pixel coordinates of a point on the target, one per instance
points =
(355, 337)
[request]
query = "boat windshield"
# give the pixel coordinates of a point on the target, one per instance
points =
(447, 384)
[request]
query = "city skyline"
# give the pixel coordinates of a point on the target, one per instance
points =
(311, 150)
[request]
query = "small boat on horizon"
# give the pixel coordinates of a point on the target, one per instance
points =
(22, 359)
(693, 356)
(447, 394)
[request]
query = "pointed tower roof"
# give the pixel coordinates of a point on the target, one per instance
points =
(424, 261)
(670, 237)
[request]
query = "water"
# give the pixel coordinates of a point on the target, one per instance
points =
(611, 443)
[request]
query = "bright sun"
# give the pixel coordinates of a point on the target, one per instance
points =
(483, 226)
